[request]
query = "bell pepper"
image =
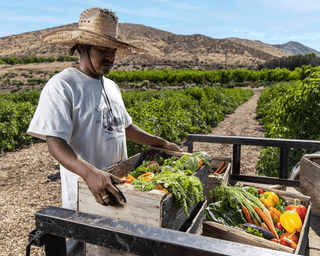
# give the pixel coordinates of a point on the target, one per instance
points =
(299, 208)
(291, 236)
(269, 199)
(291, 221)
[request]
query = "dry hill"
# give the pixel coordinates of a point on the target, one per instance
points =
(164, 47)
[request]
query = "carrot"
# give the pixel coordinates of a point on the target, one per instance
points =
(218, 168)
(275, 211)
(274, 217)
(222, 170)
(159, 187)
(256, 222)
(246, 214)
(266, 220)
(265, 226)
(268, 215)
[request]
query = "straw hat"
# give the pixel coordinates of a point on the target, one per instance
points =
(96, 27)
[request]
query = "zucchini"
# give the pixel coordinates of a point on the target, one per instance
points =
(265, 233)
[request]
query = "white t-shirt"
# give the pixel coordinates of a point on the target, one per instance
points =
(74, 107)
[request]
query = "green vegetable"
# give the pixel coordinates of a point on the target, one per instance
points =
(254, 231)
(226, 212)
(205, 158)
(281, 206)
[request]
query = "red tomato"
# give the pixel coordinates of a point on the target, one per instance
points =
(279, 226)
(260, 191)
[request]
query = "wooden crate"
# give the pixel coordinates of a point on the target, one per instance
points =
(220, 231)
(154, 208)
(217, 180)
(309, 177)
(194, 224)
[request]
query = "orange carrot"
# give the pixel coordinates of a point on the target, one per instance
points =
(246, 214)
(266, 220)
(256, 222)
(274, 217)
(219, 168)
(267, 214)
(265, 226)
(222, 170)
(275, 211)
(159, 187)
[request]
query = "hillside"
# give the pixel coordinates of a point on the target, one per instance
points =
(164, 47)
(296, 48)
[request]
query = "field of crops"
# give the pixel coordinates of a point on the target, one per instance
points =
(289, 110)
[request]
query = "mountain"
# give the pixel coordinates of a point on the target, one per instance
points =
(163, 46)
(296, 48)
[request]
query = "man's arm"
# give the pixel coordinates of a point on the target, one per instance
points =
(98, 182)
(137, 135)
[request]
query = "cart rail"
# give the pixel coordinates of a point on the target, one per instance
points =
(131, 237)
(283, 144)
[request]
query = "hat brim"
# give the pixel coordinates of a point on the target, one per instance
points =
(70, 37)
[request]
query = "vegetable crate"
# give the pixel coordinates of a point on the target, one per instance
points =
(235, 234)
(154, 208)
(216, 178)
(310, 179)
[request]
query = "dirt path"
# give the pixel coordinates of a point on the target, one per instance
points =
(242, 122)
(25, 189)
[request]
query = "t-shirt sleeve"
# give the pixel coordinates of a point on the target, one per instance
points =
(53, 113)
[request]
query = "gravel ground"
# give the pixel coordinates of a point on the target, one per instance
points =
(25, 187)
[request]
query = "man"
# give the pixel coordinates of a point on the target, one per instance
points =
(81, 114)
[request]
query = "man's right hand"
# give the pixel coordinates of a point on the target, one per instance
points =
(99, 183)
(102, 187)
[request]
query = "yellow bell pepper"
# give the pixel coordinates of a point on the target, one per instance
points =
(291, 221)
(269, 199)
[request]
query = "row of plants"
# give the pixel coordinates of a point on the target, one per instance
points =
(289, 110)
(25, 60)
(173, 77)
(170, 114)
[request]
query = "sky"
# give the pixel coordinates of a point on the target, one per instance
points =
(269, 21)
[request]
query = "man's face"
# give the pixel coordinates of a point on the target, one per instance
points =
(102, 58)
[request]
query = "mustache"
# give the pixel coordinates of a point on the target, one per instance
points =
(107, 62)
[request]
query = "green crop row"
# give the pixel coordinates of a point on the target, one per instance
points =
(289, 111)
(169, 114)
(173, 77)
(25, 60)
(173, 114)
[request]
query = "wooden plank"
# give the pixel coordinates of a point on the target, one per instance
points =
(220, 231)
(303, 239)
(197, 222)
(173, 217)
(124, 167)
(310, 179)
(134, 210)
(217, 180)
